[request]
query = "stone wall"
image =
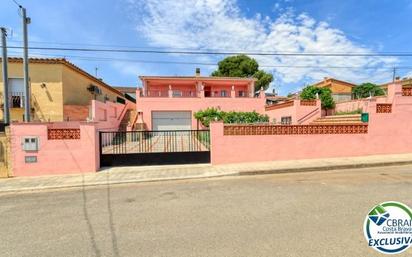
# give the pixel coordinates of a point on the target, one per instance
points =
(5, 163)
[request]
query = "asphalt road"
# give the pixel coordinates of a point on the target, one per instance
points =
(306, 214)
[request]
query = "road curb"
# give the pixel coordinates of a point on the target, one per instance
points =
(324, 168)
(114, 182)
(205, 176)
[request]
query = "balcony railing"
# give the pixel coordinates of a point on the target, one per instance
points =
(193, 94)
(16, 99)
(219, 96)
(157, 93)
(184, 93)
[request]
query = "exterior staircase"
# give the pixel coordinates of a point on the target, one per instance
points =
(338, 119)
(127, 119)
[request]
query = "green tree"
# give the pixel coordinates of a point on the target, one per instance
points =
(366, 89)
(326, 99)
(325, 96)
(243, 66)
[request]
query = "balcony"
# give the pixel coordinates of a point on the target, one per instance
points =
(193, 94)
(157, 93)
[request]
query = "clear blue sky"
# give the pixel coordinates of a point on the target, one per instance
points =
(350, 26)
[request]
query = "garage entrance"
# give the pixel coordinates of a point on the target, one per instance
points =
(128, 148)
(170, 120)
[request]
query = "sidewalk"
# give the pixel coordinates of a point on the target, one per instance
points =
(120, 175)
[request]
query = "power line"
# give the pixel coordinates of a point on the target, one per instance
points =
(212, 50)
(404, 54)
(19, 5)
(95, 58)
(105, 45)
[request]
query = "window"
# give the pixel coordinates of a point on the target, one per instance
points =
(16, 101)
(120, 100)
(177, 93)
(287, 120)
(30, 159)
(16, 92)
(241, 94)
(30, 143)
(223, 93)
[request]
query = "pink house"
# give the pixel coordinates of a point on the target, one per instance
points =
(169, 102)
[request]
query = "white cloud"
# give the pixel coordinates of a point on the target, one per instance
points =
(219, 24)
(408, 75)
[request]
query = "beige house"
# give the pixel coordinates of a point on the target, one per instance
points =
(341, 90)
(405, 82)
(128, 92)
(59, 90)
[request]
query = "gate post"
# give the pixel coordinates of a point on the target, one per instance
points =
(216, 137)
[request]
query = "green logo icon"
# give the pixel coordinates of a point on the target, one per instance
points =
(388, 227)
(378, 215)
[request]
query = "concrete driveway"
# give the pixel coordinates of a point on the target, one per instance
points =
(299, 214)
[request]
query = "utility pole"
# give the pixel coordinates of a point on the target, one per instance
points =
(394, 74)
(27, 93)
(6, 113)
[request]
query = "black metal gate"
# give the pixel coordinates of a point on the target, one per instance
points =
(129, 148)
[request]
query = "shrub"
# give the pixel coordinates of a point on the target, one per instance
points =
(367, 89)
(211, 114)
(325, 96)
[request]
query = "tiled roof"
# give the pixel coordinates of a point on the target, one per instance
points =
(404, 81)
(197, 77)
(68, 64)
(126, 89)
(330, 80)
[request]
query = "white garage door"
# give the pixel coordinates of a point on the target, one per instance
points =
(172, 120)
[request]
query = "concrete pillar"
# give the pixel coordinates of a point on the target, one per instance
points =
(233, 92)
(138, 93)
(252, 89)
(394, 89)
(262, 93)
(170, 91)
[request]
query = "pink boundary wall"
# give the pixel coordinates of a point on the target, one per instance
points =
(388, 133)
(109, 115)
(300, 114)
(65, 156)
(54, 156)
(362, 104)
(75, 112)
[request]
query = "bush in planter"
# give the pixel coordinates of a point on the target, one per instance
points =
(211, 114)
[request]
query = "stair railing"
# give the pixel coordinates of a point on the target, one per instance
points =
(307, 116)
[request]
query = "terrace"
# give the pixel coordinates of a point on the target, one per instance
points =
(200, 87)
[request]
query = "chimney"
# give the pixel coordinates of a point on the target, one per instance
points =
(397, 78)
(274, 91)
(197, 72)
